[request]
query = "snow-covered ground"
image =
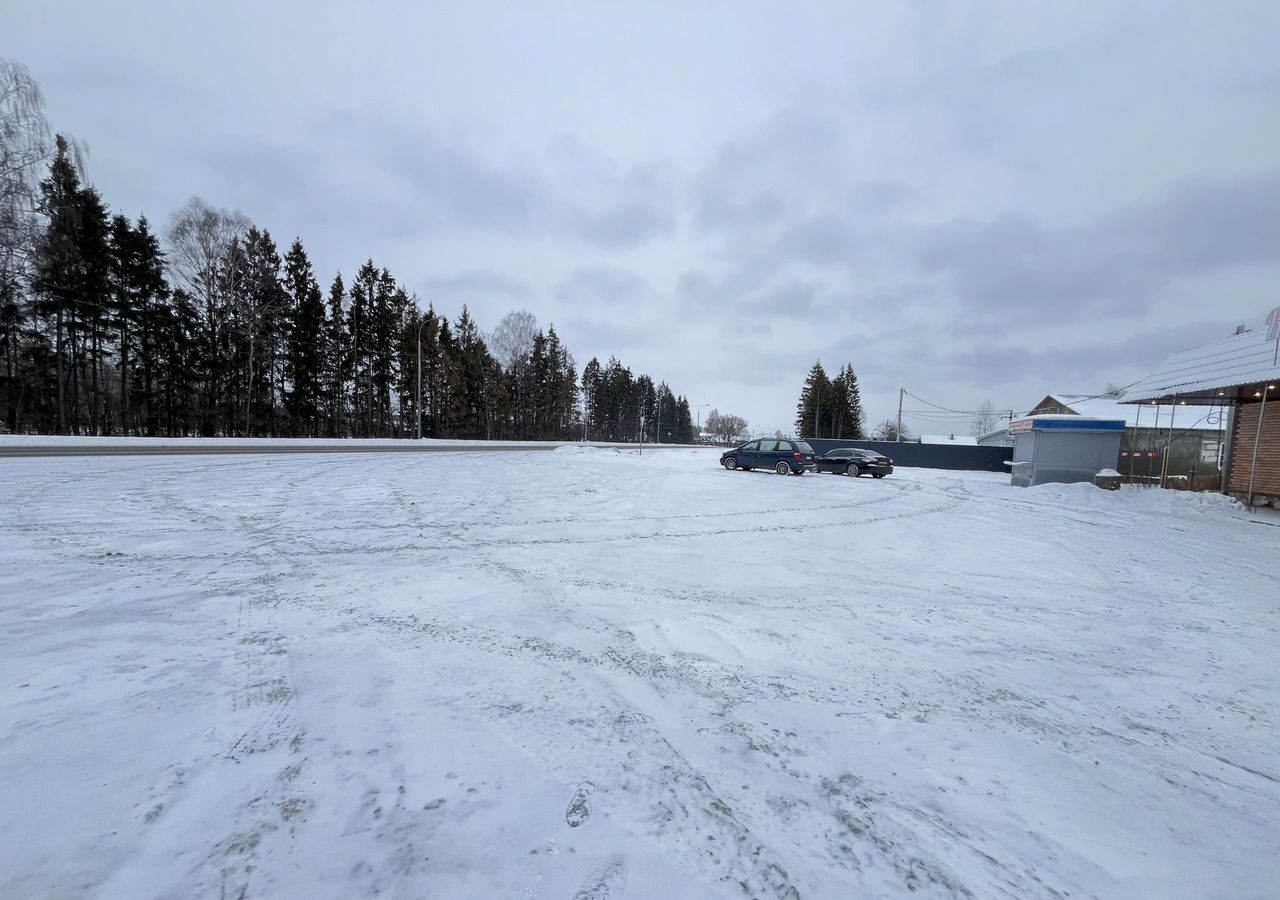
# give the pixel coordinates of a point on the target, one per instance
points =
(589, 674)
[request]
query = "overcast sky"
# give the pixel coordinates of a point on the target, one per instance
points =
(973, 201)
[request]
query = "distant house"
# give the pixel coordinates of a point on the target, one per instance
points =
(998, 438)
(958, 439)
(1190, 438)
(1237, 380)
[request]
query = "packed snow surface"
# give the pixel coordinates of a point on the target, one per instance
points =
(591, 674)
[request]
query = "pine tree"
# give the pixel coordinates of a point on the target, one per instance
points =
(433, 375)
(848, 410)
(72, 265)
(260, 308)
(94, 309)
(813, 411)
(564, 387)
(408, 385)
(639, 413)
(336, 349)
(361, 338)
(592, 379)
(137, 287)
(175, 406)
(390, 305)
(450, 383)
(470, 402)
(534, 389)
(307, 349)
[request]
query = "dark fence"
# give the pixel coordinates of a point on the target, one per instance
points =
(928, 456)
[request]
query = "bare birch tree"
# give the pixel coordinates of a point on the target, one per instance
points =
(26, 146)
(985, 421)
(204, 243)
(512, 340)
(725, 427)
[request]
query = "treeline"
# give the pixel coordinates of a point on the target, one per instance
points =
(830, 407)
(105, 329)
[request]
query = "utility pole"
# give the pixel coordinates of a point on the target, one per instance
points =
(901, 393)
(1257, 437)
(1164, 467)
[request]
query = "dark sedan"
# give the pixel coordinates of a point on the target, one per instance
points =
(783, 456)
(855, 461)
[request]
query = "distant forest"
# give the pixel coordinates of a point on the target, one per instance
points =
(110, 327)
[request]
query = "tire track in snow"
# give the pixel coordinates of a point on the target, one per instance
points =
(638, 768)
(269, 736)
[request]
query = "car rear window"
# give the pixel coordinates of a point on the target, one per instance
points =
(804, 447)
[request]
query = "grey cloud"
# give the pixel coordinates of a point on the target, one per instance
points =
(1016, 371)
(623, 209)
(469, 286)
(622, 224)
(597, 285)
(452, 187)
(785, 298)
(287, 189)
(1020, 268)
(613, 337)
(750, 328)
(882, 196)
(1208, 224)
(827, 238)
(730, 208)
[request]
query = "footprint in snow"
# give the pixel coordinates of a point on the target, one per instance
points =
(579, 809)
(606, 881)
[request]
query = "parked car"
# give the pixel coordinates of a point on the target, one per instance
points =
(786, 457)
(855, 461)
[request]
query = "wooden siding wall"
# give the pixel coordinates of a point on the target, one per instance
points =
(1266, 481)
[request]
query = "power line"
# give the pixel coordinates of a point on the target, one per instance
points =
(963, 412)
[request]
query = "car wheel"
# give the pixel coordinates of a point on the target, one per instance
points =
(731, 464)
(782, 469)
(852, 469)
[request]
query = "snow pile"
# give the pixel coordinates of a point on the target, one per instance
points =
(584, 450)
(1136, 498)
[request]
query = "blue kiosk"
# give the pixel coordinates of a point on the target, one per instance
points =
(1063, 449)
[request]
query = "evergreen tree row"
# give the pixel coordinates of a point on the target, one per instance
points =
(623, 407)
(105, 331)
(830, 407)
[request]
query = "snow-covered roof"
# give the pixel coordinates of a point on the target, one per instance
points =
(1241, 359)
(1139, 416)
(949, 439)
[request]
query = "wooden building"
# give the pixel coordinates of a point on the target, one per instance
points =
(1241, 374)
